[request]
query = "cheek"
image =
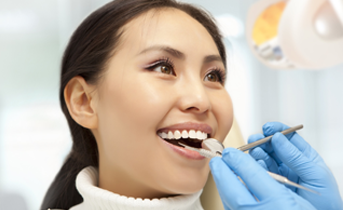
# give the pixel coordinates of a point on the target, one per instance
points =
(129, 113)
(132, 108)
(223, 112)
(142, 103)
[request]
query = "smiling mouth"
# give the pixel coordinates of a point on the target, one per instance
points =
(190, 142)
(191, 138)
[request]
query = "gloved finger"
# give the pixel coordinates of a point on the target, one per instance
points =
(313, 174)
(258, 136)
(255, 137)
(270, 128)
(285, 171)
(231, 190)
(253, 175)
(304, 147)
(267, 147)
(266, 161)
(259, 154)
(304, 204)
(283, 201)
(292, 157)
(263, 164)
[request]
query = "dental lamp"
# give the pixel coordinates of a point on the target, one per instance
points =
(296, 34)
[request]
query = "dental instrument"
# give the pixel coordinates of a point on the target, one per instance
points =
(268, 138)
(213, 145)
(214, 148)
(279, 178)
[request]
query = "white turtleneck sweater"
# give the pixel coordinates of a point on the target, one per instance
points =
(95, 198)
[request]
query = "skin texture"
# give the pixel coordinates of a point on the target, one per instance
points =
(131, 103)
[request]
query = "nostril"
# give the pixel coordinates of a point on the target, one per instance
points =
(200, 108)
(194, 101)
(191, 108)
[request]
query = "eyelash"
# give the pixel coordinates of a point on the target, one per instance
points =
(220, 74)
(167, 62)
(161, 62)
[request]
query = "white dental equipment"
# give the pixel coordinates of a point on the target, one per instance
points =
(296, 34)
(214, 148)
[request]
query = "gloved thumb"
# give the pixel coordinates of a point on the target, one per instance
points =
(292, 157)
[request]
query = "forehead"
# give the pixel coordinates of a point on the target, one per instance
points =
(167, 26)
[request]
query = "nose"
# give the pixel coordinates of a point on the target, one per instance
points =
(194, 97)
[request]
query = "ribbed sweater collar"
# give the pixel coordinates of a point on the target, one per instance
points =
(96, 198)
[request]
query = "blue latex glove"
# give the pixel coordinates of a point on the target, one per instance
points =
(235, 195)
(291, 156)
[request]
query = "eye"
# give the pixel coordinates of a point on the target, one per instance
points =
(164, 69)
(164, 66)
(215, 75)
(212, 77)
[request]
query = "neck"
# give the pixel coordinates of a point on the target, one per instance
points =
(122, 183)
(96, 198)
(118, 183)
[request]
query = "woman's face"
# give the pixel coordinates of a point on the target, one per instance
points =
(166, 76)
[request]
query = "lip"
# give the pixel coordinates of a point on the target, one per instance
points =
(188, 126)
(194, 155)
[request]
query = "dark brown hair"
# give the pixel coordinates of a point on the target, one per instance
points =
(86, 55)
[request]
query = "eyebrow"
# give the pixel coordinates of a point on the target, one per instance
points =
(166, 49)
(211, 58)
(180, 55)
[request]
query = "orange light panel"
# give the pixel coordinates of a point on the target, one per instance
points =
(266, 25)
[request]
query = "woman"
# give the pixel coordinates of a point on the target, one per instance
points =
(137, 77)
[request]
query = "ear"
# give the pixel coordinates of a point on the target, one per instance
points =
(80, 100)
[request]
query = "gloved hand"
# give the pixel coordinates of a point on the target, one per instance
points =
(291, 156)
(235, 195)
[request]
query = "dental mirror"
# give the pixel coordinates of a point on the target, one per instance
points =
(213, 145)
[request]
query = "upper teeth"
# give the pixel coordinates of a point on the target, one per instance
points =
(184, 134)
